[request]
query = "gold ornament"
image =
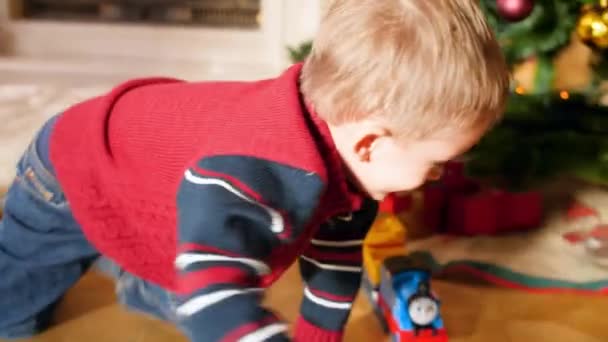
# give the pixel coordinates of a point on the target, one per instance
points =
(600, 37)
(592, 27)
(605, 15)
(585, 25)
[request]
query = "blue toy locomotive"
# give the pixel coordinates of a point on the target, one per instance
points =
(404, 302)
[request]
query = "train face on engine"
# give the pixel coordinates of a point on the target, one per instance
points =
(405, 303)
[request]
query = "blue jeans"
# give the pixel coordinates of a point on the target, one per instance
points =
(43, 251)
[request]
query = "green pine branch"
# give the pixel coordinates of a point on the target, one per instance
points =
(542, 137)
(300, 52)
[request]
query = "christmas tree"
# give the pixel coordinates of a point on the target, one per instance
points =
(546, 132)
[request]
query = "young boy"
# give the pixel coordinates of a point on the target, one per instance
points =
(202, 194)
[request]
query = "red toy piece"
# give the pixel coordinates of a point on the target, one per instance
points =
(425, 336)
(396, 203)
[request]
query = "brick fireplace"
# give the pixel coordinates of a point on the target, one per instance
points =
(195, 39)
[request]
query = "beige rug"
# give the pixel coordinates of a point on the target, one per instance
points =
(547, 258)
(24, 108)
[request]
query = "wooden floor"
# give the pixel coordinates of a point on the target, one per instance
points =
(471, 312)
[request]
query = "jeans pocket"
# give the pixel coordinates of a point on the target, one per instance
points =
(35, 178)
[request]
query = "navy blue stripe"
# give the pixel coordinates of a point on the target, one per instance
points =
(212, 216)
(214, 288)
(337, 283)
(222, 318)
(331, 261)
(333, 282)
(340, 230)
(214, 264)
(285, 188)
(323, 317)
(345, 250)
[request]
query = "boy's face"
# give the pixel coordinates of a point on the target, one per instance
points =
(382, 164)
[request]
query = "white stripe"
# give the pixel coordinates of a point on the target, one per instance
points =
(354, 269)
(346, 218)
(324, 302)
(347, 243)
(264, 333)
(276, 226)
(202, 302)
(187, 259)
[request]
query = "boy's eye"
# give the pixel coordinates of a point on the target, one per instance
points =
(435, 172)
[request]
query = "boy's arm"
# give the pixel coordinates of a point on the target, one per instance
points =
(331, 269)
(233, 213)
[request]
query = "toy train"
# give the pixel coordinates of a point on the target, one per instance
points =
(398, 286)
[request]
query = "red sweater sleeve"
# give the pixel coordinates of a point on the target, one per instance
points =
(331, 269)
(233, 213)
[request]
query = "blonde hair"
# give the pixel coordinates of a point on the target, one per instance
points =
(422, 65)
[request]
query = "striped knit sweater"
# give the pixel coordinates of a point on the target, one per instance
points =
(212, 190)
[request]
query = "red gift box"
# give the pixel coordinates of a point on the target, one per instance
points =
(522, 210)
(455, 180)
(458, 205)
(435, 200)
(476, 214)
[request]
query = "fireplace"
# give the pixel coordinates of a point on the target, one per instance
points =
(211, 13)
(194, 39)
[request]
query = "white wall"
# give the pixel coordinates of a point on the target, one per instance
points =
(305, 17)
(3, 10)
(201, 52)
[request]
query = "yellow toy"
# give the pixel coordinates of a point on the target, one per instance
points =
(386, 238)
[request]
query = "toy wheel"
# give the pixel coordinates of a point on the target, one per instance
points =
(395, 338)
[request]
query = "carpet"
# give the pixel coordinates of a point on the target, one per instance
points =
(554, 257)
(23, 110)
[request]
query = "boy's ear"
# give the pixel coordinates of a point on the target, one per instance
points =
(368, 141)
(364, 147)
